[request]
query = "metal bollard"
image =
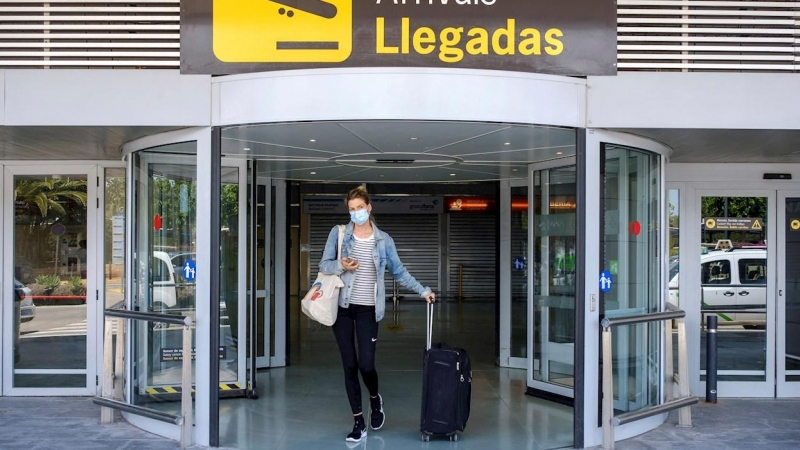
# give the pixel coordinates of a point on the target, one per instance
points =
(711, 359)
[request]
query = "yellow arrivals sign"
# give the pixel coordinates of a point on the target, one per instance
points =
(283, 31)
(565, 37)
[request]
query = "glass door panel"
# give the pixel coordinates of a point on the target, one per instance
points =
(735, 265)
(165, 267)
(788, 345)
(49, 325)
(552, 279)
(631, 257)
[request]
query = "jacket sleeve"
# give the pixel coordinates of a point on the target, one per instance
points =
(329, 264)
(400, 273)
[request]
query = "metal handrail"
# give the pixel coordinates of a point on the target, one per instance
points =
(111, 399)
(149, 317)
(685, 399)
(641, 318)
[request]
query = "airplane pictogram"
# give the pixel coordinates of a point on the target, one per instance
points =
(283, 30)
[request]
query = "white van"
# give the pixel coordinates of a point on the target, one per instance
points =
(732, 280)
(165, 289)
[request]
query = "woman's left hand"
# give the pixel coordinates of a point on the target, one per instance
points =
(430, 298)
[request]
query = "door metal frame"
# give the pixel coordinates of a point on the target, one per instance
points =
(90, 170)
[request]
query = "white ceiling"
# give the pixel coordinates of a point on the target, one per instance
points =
(69, 143)
(397, 151)
(727, 146)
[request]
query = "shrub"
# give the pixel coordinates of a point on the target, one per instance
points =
(37, 289)
(63, 290)
(49, 282)
(76, 286)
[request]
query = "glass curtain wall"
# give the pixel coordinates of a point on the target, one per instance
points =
(114, 255)
(631, 258)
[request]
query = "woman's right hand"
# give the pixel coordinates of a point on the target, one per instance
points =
(349, 264)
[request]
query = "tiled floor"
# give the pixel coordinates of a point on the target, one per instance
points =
(305, 406)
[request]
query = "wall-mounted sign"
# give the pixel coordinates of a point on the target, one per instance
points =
(176, 354)
(565, 37)
(189, 270)
(606, 281)
(734, 223)
(470, 204)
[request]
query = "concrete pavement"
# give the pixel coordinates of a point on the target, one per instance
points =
(56, 423)
(752, 424)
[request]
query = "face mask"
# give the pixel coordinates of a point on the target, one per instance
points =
(359, 217)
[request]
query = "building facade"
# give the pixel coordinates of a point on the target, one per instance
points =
(121, 172)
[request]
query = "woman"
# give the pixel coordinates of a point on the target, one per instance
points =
(366, 253)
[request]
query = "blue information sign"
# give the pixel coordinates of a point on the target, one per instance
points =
(520, 264)
(606, 281)
(189, 270)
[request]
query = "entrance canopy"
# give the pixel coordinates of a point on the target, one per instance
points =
(397, 151)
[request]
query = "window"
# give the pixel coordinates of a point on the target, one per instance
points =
(753, 271)
(717, 272)
(160, 270)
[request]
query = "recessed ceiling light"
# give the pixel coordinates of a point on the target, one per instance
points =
(312, 140)
(507, 143)
(559, 153)
(247, 149)
(514, 170)
(414, 138)
(452, 174)
(313, 173)
(381, 176)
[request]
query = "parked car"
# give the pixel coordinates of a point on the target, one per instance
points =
(731, 280)
(22, 294)
(24, 311)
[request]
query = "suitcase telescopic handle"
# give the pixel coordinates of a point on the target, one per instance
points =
(429, 327)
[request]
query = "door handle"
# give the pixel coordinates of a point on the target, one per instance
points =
(728, 294)
(744, 293)
(780, 293)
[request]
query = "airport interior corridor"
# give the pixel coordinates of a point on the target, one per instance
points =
(304, 406)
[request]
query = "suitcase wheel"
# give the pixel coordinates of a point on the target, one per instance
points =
(453, 438)
(426, 437)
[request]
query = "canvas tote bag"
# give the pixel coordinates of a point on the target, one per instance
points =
(321, 302)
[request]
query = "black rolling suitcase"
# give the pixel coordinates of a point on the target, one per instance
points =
(446, 388)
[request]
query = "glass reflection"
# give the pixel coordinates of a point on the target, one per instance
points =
(50, 269)
(733, 278)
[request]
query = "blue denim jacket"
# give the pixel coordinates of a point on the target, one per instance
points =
(384, 255)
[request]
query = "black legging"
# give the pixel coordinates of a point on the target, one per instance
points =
(361, 320)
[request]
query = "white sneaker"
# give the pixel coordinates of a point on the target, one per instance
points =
(376, 416)
(357, 434)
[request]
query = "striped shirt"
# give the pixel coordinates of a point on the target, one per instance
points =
(363, 292)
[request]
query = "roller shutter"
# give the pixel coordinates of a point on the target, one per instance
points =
(416, 238)
(472, 244)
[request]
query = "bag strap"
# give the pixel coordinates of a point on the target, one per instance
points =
(341, 238)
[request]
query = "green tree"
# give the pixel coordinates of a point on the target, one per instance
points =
(41, 200)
